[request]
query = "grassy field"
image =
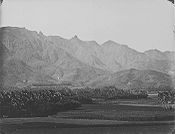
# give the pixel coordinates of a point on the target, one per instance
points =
(113, 113)
(148, 101)
(46, 125)
(121, 110)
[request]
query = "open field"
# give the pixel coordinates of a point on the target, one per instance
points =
(120, 112)
(161, 129)
(45, 125)
(106, 115)
(148, 109)
(151, 100)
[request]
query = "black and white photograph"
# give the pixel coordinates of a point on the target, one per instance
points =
(87, 67)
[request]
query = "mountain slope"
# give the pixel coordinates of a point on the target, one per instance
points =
(88, 52)
(30, 57)
(135, 79)
(114, 57)
(32, 51)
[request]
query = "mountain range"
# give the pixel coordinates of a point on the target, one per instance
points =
(29, 57)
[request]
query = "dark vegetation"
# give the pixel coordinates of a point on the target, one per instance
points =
(45, 100)
(119, 112)
(41, 102)
(111, 107)
(171, 1)
(167, 97)
(112, 93)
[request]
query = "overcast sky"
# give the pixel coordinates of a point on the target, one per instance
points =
(140, 24)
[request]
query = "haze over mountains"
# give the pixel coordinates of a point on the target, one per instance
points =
(30, 57)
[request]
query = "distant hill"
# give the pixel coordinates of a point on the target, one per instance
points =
(135, 79)
(29, 57)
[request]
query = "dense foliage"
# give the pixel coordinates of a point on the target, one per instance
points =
(45, 100)
(111, 93)
(29, 102)
(167, 97)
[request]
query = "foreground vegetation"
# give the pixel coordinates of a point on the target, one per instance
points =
(44, 101)
(167, 97)
(120, 112)
(28, 103)
(109, 93)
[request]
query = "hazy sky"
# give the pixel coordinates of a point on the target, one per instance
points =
(141, 24)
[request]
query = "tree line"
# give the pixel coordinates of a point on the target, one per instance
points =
(112, 93)
(38, 102)
(44, 101)
(167, 96)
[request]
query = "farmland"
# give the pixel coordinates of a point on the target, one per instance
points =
(118, 115)
(120, 112)
(109, 103)
(98, 118)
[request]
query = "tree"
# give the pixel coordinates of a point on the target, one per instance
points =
(167, 98)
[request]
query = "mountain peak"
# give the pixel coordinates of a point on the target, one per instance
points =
(153, 50)
(35, 58)
(110, 43)
(75, 38)
(40, 33)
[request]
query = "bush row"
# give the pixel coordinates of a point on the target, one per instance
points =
(167, 97)
(44, 101)
(38, 102)
(112, 93)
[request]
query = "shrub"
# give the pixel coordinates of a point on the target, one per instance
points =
(111, 93)
(22, 103)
